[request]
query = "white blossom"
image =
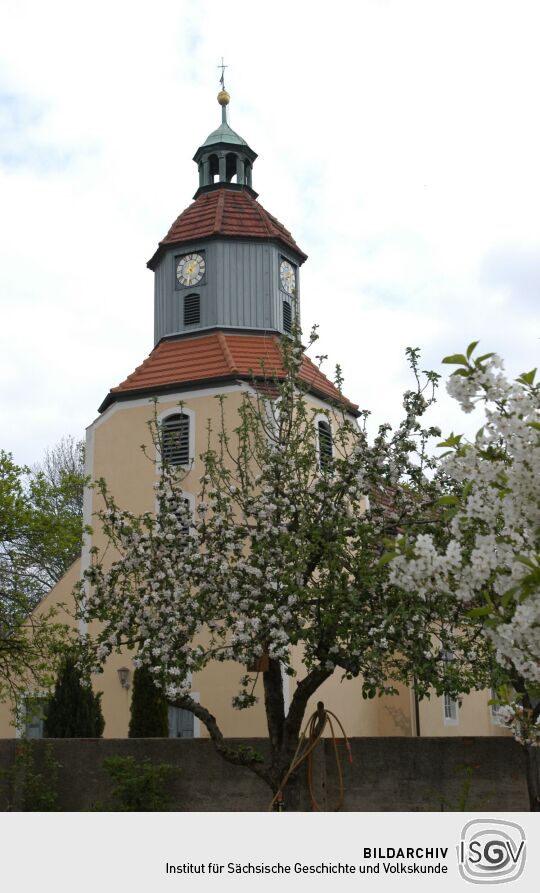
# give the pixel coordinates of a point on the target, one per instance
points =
(492, 559)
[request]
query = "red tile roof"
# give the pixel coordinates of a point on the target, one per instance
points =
(222, 356)
(227, 212)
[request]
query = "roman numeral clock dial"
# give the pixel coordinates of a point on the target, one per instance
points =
(287, 275)
(190, 269)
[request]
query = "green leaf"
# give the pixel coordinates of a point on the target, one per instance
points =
(448, 500)
(471, 347)
(451, 441)
(527, 377)
(484, 356)
(508, 596)
(456, 359)
(467, 489)
(535, 425)
(386, 558)
(479, 612)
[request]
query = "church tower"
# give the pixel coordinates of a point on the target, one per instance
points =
(226, 283)
(226, 262)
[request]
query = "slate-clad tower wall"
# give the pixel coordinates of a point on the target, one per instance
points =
(240, 289)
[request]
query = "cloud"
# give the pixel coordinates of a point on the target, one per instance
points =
(393, 142)
(22, 146)
(514, 271)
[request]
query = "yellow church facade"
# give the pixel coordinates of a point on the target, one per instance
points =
(227, 287)
(114, 453)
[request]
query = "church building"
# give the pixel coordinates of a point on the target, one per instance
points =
(227, 287)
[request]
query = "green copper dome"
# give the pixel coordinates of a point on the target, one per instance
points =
(224, 158)
(224, 134)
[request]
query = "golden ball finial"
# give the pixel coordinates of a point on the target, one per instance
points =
(223, 97)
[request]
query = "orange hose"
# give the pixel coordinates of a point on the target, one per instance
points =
(314, 729)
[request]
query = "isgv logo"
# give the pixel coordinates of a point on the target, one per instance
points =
(491, 851)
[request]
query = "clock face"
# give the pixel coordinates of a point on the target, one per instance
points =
(287, 275)
(190, 269)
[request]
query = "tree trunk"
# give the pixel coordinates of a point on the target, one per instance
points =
(532, 762)
(295, 795)
(532, 754)
(283, 731)
(295, 790)
(274, 705)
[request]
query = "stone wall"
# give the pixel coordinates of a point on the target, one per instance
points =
(387, 774)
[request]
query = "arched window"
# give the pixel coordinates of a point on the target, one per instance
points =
(325, 444)
(175, 439)
(183, 509)
(213, 165)
(287, 317)
(230, 167)
(192, 310)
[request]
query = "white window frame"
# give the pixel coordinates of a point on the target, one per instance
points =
(179, 410)
(195, 696)
(494, 709)
(451, 707)
(20, 728)
(322, 417)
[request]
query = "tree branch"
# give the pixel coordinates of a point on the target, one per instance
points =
(305, 688)
(239, 756)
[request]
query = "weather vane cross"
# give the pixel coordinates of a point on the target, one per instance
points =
(222, 78)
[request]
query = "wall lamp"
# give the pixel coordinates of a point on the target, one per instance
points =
(123, 675)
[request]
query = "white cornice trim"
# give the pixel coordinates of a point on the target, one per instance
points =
(175, 397)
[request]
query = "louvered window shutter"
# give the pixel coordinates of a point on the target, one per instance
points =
(287, 317)
(325, 444)
(192, 310)
(175, 439)
(185, 517)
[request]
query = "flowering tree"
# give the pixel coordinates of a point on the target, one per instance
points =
(285, 552)
(488, 556)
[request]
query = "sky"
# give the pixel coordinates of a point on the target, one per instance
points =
(398, 141)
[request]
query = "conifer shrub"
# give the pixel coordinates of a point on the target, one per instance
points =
(138, 785)
(149, 708)
(30, 785)
(74, 710)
